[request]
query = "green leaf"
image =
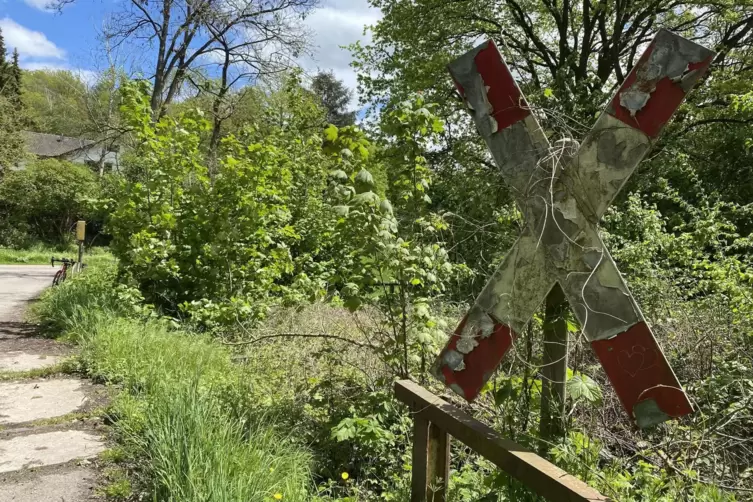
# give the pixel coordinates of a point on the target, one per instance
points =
(364, 181)
(385, 207)
(339, 175)
(365, 198)
(582, 386)
(548, 93)
(341, 211)
(330, 133)
(352, 303)
(503, 393)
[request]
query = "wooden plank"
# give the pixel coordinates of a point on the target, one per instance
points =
(541, 476)
(438, 464)
(420, 468)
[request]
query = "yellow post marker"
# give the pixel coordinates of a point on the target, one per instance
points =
(80, 235)
(80, 230)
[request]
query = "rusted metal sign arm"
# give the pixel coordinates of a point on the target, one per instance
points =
(538, 474)
(562, 202)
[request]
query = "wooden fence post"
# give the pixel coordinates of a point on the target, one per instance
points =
(439, 464)
(554, 370)
(431, 462)
(435, 420)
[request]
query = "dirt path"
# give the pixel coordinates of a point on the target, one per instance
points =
(49, 427)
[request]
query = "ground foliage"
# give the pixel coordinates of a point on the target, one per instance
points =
(179, 431)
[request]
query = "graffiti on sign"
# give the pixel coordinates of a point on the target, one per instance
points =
(562, 191)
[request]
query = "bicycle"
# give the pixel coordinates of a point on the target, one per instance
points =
(61, 274)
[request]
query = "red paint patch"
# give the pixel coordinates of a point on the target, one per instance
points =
(638, 371)
(480, 363)
(663, 101)
(508, 104)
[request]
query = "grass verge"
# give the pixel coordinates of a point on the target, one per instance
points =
(177, 418)
(40, 254)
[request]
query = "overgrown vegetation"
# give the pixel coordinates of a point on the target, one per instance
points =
(276, 275)
(42, 202)
(236, 251)
(184, 436)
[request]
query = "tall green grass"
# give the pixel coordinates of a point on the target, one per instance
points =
(83, 300)
(40, 254)
(178, 415)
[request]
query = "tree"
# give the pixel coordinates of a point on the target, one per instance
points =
(11, 110)
(62, 102)
(335, 97)
(575, 49)
(569, 57)
(12, 148)
(14, 81)
(186, 35)
(4, 73)
(56, 101)
(10, 75)
(43, 200)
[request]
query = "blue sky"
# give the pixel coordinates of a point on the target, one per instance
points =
(70, 40)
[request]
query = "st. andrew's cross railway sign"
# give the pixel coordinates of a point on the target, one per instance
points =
(562, 192)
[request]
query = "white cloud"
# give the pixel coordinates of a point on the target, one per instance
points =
(30, 44)
(43, 5)
(338, 23)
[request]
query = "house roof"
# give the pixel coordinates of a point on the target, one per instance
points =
(54, 145)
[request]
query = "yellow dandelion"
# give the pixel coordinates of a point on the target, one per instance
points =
(271, 469)
(278, 496)
(345, 476)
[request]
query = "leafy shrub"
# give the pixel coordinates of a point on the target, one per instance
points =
(42, 201)
(210, 245)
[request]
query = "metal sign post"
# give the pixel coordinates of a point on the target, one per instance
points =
(562, 201)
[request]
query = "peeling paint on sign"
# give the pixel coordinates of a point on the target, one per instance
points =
(668, 69)
(562, 192)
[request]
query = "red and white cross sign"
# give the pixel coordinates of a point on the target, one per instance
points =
(562, 192)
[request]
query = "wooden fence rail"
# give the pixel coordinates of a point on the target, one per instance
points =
(435, 420)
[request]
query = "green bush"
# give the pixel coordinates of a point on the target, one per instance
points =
(42, 202)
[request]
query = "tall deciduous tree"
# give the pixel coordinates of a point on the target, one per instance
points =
(56, 101)
(579, 50)
(569, 58)
(183, 35)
